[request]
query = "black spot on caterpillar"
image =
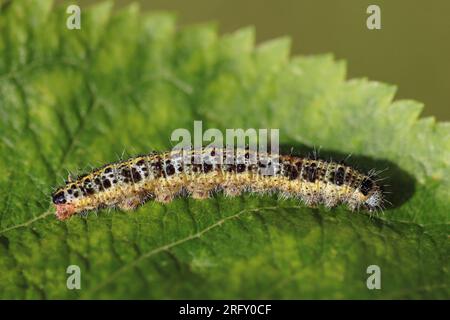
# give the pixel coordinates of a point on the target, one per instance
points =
(163, 176)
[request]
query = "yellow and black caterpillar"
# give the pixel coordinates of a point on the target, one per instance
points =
(196, 173)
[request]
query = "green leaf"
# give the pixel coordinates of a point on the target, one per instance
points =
(71, 99)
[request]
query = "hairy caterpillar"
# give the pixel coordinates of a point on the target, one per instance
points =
(163, 176)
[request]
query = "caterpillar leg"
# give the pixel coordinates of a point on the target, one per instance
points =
(232, 190)
(200, 194)
(199, 190)
(132, 203)
(167, 193)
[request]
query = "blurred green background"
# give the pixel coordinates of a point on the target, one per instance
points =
(412, 50)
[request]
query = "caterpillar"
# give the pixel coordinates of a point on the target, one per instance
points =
(163, 176)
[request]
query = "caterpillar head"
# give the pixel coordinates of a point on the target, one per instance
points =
(63, 203)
